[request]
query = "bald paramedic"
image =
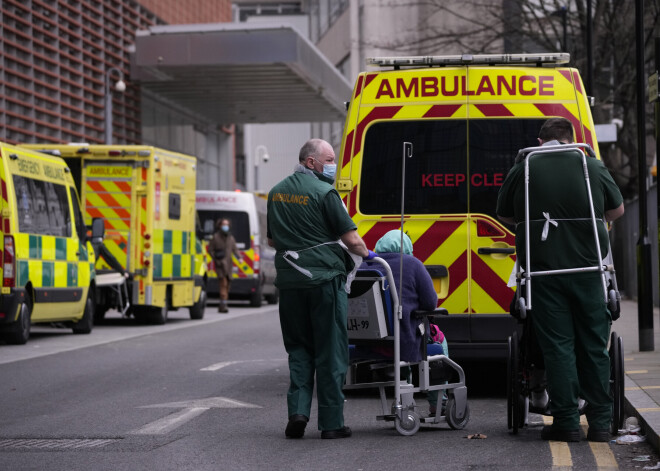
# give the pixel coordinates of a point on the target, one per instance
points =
(306, 222)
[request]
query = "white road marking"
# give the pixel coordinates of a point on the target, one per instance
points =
(190, 410)
(217, 366)
(222, 364)
(169, 423)
(208, 403)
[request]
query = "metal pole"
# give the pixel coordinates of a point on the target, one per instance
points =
(590, 55)
(108, 109)
(407, 153)
(120, 86)
(657, 147)
(644, 275)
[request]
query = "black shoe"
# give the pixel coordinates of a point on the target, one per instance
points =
(343, 432)
(549, 433)
(296, 426)
(598, 435)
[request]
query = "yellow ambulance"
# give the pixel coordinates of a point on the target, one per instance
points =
(464, 118)
(47, 263)
(146, 197)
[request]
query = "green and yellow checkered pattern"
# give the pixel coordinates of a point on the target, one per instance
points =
(49, 261)
(172, 256)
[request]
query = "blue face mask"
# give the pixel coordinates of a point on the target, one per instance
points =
(329, 170)
(225, 228)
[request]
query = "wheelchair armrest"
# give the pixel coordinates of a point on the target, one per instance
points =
(419, 314)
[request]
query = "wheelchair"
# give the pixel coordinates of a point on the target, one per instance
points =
(522, 358)
(373, 305)
(519, 387)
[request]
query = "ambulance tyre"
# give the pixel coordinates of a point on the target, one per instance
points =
(157, 315)
(273, 298)
(85, 325)
(197, 309)
(255, 298)
(20, 332)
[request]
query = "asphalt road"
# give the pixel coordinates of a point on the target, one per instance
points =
(211, 395)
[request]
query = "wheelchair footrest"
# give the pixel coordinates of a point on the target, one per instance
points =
(386, 418)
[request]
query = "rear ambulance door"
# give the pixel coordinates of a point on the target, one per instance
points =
(109, 193)
(506, 108)
(422, 107)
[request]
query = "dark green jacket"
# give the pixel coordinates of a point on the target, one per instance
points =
(304, 212)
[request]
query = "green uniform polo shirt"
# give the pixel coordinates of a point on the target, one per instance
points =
(557, 186)
(304, 212)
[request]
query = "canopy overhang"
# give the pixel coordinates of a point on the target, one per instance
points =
(240, 73)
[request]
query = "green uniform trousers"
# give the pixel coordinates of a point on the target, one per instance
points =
(572, 325)
(313, 322)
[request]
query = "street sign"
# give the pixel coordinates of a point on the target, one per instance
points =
(653, 87)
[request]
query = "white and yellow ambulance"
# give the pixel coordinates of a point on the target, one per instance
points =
(47, 263)
(254, 278)
(465, 118)
(146, 197)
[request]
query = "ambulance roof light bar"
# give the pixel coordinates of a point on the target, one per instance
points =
(472, 59)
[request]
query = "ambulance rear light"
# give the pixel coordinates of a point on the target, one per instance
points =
(486, 229)
(120, 153)
(8, 263)
(472, 59)
(147, 236)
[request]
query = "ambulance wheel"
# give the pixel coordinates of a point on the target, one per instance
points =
(450, 415)
(20, 330)
(157, 315)
(408, 424)
(141, 314)
(255, 298)
(616, 382)
(197, 309)
(273, 298)
(85, 325)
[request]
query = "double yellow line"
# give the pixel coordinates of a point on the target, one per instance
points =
(561, 453)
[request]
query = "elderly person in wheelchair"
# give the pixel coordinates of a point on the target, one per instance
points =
(417, 293)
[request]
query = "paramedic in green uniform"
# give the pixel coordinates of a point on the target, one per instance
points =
(306, 220)
(569, 312)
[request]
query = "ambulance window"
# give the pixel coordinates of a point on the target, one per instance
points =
(43, 207)
(81, 230)
(435, 174)
(174, 211)
(240, 224)
(494, 144)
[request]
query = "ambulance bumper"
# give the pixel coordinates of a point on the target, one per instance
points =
(478, 336)
(9, 305)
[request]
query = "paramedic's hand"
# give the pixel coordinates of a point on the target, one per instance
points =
(370, 255)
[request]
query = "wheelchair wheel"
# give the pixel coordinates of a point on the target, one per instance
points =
(451, 418)
(514, 418)
(617, 382)
(409, 424)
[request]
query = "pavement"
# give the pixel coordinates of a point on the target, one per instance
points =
(642, 385)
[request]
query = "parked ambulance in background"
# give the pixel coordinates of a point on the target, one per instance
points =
(146, 197)
(255, 277)
(465, 118)
(47, 263)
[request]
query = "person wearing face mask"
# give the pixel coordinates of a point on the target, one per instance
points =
(221, 248)
(307, 222)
